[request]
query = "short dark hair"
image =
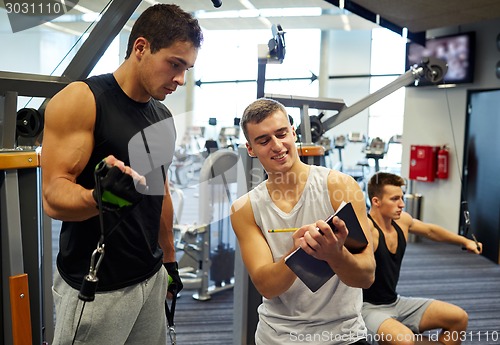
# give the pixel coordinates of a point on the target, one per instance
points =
(381, 179)
(164, 24)
(258, 111)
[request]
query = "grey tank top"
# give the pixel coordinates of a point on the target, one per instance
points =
(331, 315)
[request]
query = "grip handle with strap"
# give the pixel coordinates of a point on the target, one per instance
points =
(169, 312)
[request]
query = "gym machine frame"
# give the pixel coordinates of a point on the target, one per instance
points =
(26, 246)
(431, 69)
(196, 264)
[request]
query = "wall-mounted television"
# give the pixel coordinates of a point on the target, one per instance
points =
(457, 50)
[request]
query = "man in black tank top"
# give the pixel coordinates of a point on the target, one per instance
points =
(115, 124)
(394, 318)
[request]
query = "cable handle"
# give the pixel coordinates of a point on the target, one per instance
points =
(169, 312)
(467, 225)
(101, 168)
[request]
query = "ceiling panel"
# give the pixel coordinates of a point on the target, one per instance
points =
(416, 15)
(422, 15)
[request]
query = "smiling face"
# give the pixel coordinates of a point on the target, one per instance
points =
(162, 72)
(272, 141)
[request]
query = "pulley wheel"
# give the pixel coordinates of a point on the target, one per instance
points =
(434, 74)
(29, 123)
(316, 128)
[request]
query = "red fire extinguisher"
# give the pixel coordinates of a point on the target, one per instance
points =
(443, 161)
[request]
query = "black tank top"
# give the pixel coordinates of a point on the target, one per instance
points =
(132, 252)
(383, 290)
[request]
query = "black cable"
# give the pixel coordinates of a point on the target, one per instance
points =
(78, 324)
(100, 167)
(88, 294)
(454, 139)
(463, 204)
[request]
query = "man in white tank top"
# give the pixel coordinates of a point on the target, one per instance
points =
(297, 195)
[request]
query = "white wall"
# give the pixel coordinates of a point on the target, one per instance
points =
(437, 116)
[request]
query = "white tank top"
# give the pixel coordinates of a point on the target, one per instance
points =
(331, 315)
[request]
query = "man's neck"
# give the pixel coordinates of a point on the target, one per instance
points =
(126, 77)
(296, 176)
(286, 188)
(385, 223)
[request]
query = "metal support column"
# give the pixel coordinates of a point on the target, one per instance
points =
(21, 232)
(12, 249)
(29, 180)
(246, 296)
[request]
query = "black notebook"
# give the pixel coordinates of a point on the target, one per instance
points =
(315, 273)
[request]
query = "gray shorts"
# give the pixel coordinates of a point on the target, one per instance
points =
(133, 315)
(407, 310)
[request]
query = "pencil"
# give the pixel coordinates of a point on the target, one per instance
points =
(283, 230)
(477, 244)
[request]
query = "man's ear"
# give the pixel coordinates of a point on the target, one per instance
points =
(250, 150)
(141, 45)
(375, 201)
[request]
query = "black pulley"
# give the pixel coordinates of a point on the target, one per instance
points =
(29, 123)
(434, 69)
(434, 74)
(316, 128)
(88, 289)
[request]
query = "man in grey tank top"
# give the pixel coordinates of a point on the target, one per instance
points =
(300, 196)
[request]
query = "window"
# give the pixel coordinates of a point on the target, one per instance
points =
(227, 69)
(387, 115)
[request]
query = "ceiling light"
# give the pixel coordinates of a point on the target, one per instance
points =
(446, 86)
(345, 22)
(267, 12)
(83, 9)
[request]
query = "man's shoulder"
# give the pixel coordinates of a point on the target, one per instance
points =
(404, 222)
(77, 94)
(241, 211)
(341, 181)
(240, 203)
